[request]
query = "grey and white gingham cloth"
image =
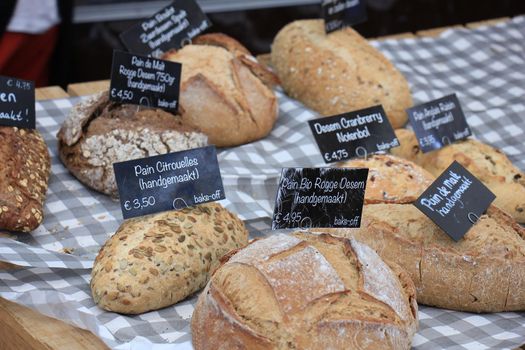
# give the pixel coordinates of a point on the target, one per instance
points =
(485, 67)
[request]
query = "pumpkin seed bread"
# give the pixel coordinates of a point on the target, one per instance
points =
(24, 176)
(305, 291)
(155, 261)
(488, 164)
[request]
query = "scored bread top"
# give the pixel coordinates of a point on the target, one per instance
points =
(391, 179)
(292, 291)
(224, 91)
(487, 163)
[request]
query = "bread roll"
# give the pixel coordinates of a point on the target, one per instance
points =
(483, 272)
(391, 179)
(98, 133)
(305, 291)
(223, 91)
(157, 260)
(488, 164)
(24, 175)
(337, 73)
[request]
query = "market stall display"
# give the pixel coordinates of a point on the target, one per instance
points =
(57, 284)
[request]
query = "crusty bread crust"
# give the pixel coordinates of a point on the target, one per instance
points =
(225, 92)
(155, 261)
(391, 179)
(305, 291)
(24, 175)
(98, 133)
(337, 73)
(483, 272)
(488, 164)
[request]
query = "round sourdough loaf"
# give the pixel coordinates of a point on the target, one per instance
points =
(224, 91)
(155, 261)
(483, 272)
(305, 291)
(24, 175)
(337, 73)
(391, 179)
(488, 164)
(98, 133)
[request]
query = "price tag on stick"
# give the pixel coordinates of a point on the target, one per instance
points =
(455, 200)
(17, 102)
(438, 123)
(338, 14)
(145, 81)
(170, 28)
(169, 181)
(353, 134)
(319, 197)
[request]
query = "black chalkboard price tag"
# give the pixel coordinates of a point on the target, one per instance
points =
(455, 200)
(338, 14)
(353, 134)
(169, 181)
(145, 81)
(170, 28)
(17, 102)
(319, 197)
(438, 123)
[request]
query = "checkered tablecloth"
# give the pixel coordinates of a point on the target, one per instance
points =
(485, 67)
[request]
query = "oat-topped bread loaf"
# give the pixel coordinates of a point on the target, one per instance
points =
(224, 91)
(98, 133)
(391, 179)
(488, 164)
(339, 72)
(24, 176)
(305, 291)
(483, 272)
(155, 261)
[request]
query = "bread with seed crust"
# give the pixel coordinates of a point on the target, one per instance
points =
(305, 291)
(391, 179)
(488, 164)
(24, 175)
(98, 133)
(155, 261)
(337, 73)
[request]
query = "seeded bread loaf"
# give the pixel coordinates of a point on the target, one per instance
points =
(155, 261)
(483, 272)
(305, 291)
(24, 176)
(488, 164)
(98, 133)
(391, 179)
(337, 73)
(223, 91)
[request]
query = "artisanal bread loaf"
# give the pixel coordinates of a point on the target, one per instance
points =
(305, 291)
(155, 261)
(391, 179)
(488, 164)
(223, 91)
(337, 73)
(98, 133)
(483, 272)
(24, 176)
